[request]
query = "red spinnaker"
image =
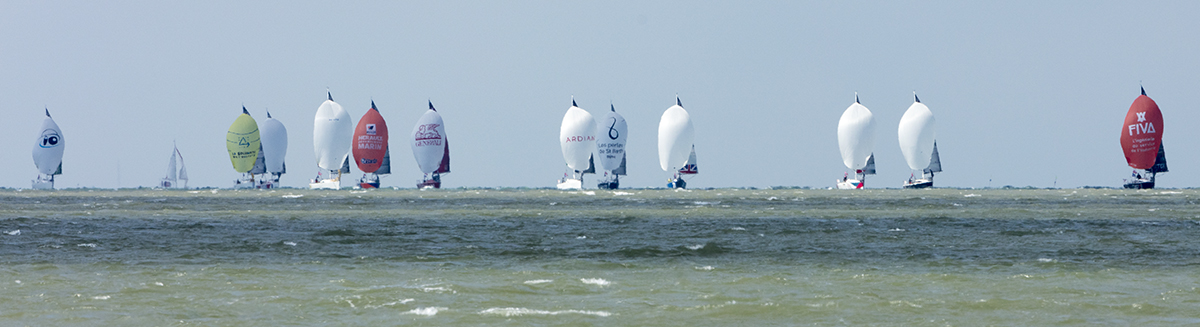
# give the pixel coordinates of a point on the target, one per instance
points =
(1142, 133)
(371, 141)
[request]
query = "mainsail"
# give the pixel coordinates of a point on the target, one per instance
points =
(917, 134)
(243, 143)
(856, 135)
(577, 138)
(675, 137)
(690, 167)
(260, 164)
(1141, 135)
(870, 168)
(332, 135)
(182, 168)
(1160, 163)
(48, 152)
(935, 162)
(370, 141)
(172, 173)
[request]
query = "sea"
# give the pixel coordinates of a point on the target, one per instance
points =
(638, 257)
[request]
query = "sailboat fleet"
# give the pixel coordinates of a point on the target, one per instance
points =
(258, 151)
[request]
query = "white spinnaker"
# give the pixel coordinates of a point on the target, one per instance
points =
(48, 152)
(332, 135)
(675, 137)
(917, 134)
(856, 135)
(577, 136)
(610, 143)
(274, 143)
(429, 141)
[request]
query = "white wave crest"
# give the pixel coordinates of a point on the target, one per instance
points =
(538, 281)
(428, 312)
(695, 247)
(510, 312)
(13, 233)
(595, 281)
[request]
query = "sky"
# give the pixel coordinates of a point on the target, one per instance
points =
(1025, 93)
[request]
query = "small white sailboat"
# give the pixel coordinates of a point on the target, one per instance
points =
(611, 149)
(856, 140)
(48, 153)
(676, 147)
(332, 135)
(918, 142)
(577, 136)
(431, 148)
(244, 146)
(174, 173)
(274, 150)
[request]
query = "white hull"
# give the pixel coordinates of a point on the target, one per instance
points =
(43, 185)
(243, 183)
(849, 184)
(326, 184)
(570, 184)
(268, 184)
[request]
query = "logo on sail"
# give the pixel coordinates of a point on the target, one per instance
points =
(370, 129)
(243, 143)
(50, 138)
(1141, 116)
(612, 130)
(428, 132)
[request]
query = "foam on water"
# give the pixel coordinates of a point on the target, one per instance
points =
(538, 281)
(513, 312)
(595, 281)
(426, 311)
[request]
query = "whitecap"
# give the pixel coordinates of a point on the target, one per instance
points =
(289, 243)
(538, 281)
(595, 281)
(90, 245)
(896, 230)
(13, 233)
(738, 228)
(705, 268)
(695, 247)
(510, 312)
(101, 297)
(1046, 260)
(428, 311)
(580, 237)
(292, 196)
(701, 203)
(589, 192)
(622, 193)
(971, 195)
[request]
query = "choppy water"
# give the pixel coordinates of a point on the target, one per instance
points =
(630, 257)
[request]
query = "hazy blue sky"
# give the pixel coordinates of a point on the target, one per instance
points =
(1024, 92)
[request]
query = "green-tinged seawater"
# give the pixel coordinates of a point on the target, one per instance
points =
(524, 257)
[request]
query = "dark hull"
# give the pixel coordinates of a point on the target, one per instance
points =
(677, 183)
(430, 183)
(919, 184)
(608, 185)
(1140, 184)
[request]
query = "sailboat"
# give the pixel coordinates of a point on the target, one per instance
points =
(856, 140)
(918, 142)
(48, 154)
(175, 173)
(675, 138)
(371, 147)
(1141, 138)
(431, 148)
(578, 140)
(611, 149)
(274, 150)
(332, 136)
(243, 143)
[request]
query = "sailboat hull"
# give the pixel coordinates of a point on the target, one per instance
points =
(1138, 184)
(677, 183)
(919, 183)
(43, 184)
(849, 184)
(570, 184)
(609, 185)
(326, 184)
(429, 183)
